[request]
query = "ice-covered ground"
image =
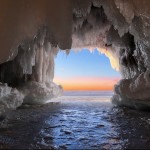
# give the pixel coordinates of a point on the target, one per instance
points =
(74, 122)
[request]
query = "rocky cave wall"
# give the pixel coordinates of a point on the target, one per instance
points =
(120, 29)
(31, 36)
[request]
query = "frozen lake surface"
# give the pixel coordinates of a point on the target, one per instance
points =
(81, 120)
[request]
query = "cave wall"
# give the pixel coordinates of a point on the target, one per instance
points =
(33, 30)
(120, 29)
(34, 61)
(28, 78)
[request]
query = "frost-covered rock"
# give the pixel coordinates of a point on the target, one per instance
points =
(38, 93)
(10, 98)
(134, 92)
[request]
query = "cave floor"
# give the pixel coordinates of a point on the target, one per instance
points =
(75, 125)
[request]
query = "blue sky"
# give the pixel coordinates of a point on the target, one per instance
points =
(83, 63)
(84, 70)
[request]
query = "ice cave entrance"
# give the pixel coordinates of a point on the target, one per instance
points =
(85, 70)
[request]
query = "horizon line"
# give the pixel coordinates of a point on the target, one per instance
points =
(90, 90)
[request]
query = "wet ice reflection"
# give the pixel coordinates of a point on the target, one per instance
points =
(75, 125)
(81, 125)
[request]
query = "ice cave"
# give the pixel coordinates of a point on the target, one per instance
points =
(33, 31)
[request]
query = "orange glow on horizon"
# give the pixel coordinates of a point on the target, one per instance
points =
(87, 83)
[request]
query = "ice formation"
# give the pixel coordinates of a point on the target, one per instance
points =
(32, 31)
(10, 98)
(31, 72)
(37, 93)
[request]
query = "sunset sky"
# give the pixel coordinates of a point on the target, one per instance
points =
(84, 70)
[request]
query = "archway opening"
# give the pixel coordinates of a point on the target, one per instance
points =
(85, 72)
